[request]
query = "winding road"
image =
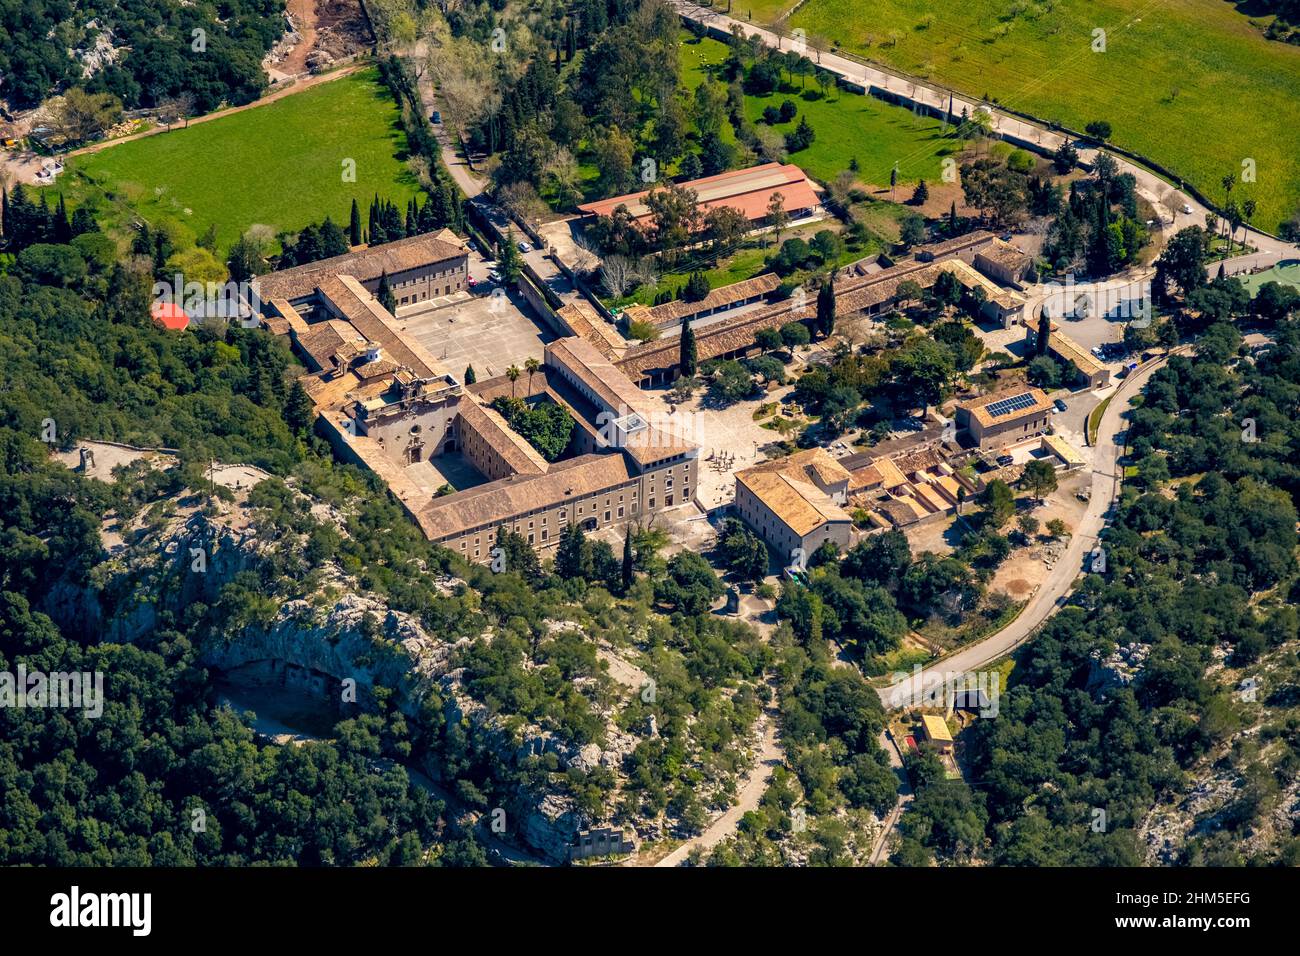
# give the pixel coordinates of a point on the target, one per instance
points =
(1052, 593)
(1149, 185)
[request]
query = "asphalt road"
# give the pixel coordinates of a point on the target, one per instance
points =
(1150, 186)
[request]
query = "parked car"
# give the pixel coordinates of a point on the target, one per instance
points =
(525, 247)
(1187, 209)
(494, 276)
(1060, 405)
(1005, 460)
(436, 117)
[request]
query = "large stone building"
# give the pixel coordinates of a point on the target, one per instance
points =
(387, 404)
(995, 421)
(418, 268)
(859, 291)
(796, 502)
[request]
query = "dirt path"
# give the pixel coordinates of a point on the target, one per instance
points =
(890, 747)
(751, 792)
(304, 21)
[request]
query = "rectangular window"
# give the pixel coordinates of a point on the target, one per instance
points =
(620, 511)
(606, 515)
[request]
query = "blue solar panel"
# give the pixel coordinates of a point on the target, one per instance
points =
(1006, 406)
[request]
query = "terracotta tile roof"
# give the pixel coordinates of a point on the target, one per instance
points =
(901, 511)
(719, 338)
(376, 324)
(1071, 351)
(1031, 403)
(586, 323)
(749, 190)
(672, 313)
(972, 240)
(598, 373)
(789, 489)
(364, 264)
(891, 475)
(864, 479)
(522, 457)
(499, 501)
(1006, 255)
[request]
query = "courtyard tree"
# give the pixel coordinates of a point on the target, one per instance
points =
(385, 293)
(688, 358)
(1039, 479)
(826, 306)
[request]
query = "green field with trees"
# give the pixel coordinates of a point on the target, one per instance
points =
(1175, 81)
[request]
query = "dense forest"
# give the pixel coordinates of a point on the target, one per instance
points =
(1200, 556)
(163, 49)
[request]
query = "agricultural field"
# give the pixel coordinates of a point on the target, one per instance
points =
(1174, 80)
(280, 165)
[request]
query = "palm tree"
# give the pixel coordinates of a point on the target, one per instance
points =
(512, 373)
(1248, 212)
(531, 366)
(1227, 182)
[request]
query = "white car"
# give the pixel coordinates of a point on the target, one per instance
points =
(1187, 209)
(525, 247)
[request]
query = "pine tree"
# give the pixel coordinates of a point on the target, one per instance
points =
(298, 409)
(385, 294)
(1044, 332)
(921, 195)
(689, 353)
(470, 377)
(354, 225)
(571, 552)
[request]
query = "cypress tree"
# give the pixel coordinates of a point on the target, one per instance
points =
(826, 306)
(470, 377)
(627, 558)
(385, 294)
(354, 225)
(62, 228)
(689, 353)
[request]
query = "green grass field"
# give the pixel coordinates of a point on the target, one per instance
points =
(1287, 273)
(848, 125)
(1193, 85)
(280, 165)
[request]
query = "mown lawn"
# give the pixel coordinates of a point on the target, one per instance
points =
(1193, 85)
(281, 165)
